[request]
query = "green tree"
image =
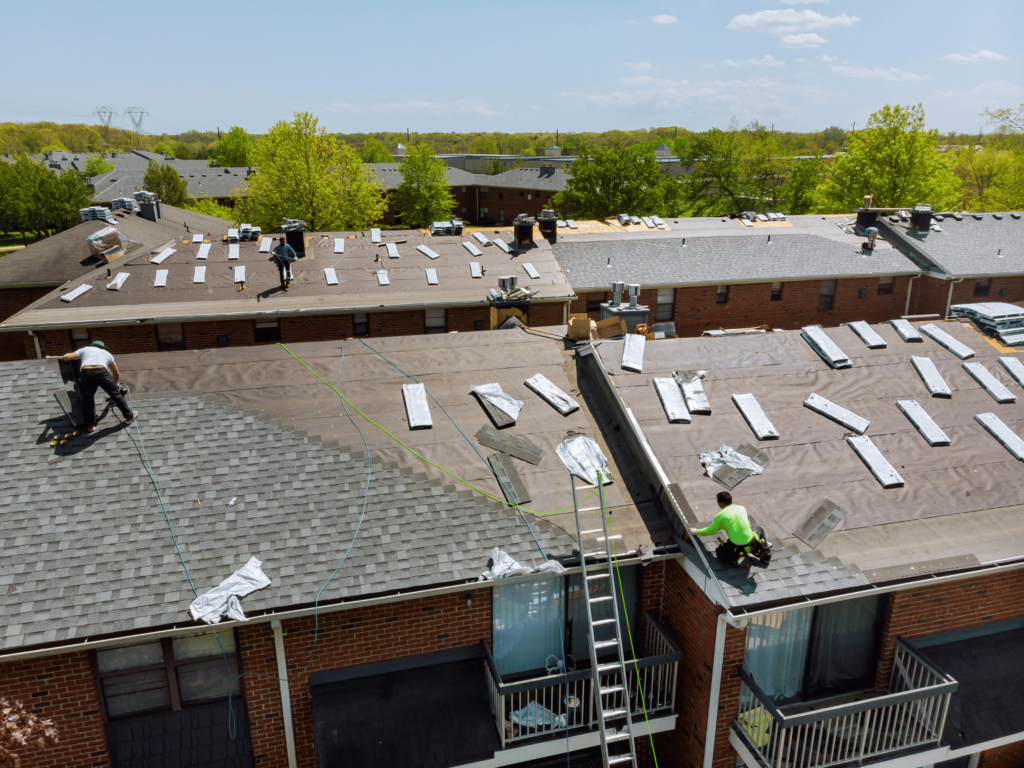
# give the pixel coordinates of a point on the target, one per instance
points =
(234, 149)
(895, 159)
(305, 173)
(802, 191)
(97, 165)
(716, 184)
(607, 182)
(165, 182)
(424, 195)
(211, 207)
(375, 152)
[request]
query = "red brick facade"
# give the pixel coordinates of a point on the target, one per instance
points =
(62, 689)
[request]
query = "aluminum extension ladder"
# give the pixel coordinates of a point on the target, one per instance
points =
(612, 701)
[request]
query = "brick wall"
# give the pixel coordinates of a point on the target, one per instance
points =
(1008, 756)
(62, 689)
(348, 638)
(263, 695)
(945, 607)
(692, 619)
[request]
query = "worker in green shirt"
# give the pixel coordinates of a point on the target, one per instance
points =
(743, 539)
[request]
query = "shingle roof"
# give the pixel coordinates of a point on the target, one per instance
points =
(85, 549)
(723, 259)
(988, 246)
(544, 179)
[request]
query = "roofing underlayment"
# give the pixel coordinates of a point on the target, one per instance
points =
(85, 549)
(959, 505)
(356, 270)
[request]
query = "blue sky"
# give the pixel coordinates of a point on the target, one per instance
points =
(528, 66)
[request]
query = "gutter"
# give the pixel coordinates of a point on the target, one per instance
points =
(286, 700)
(949, 297)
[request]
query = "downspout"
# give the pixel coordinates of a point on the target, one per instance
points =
(286, 701)
(716, 683)
(910, 286)
(39, 350)
(949, 297)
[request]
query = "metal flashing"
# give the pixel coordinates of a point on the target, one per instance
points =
(531, 270)
(431, 276)
(755, 416)
(924, 423)
(827, 349)
(74, 294)
(416, 408)
(880, 467)
(199, 276)
(161, 257)
(633, 353)
(332, 276)
(906, 330)
(472, 249)
(204, 251)
(942, 338)
(837, 413)
(118, 281)
(1009, 439)
(519, 447)
(931, 377)
(1014, 367)
(989, 382)
(672, 401)
(867, 334)
(427, 252)
(821, 522)
(160, 279)
(511, 483)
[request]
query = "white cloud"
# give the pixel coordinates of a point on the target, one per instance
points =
(766, 61)
(665, 19)
(892, 75)
(976, 56)
(639, 66)
(802, 40)
(788, 21)
(826, 58)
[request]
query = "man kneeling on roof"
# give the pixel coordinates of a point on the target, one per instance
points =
(99, 371)
(743, 539)
(284, 255)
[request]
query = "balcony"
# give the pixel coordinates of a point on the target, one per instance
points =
(560, 707)
(910, 717)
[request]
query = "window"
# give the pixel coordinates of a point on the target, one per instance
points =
(436, 321)
(885, 285)
(267, 331)
(723, 295)
(79, 337)
(169, 337)
(594, 301)
(826, 295)
(361, 324)
(666, 304)
(807, 653)
(167, 675)
(483, 193)
(776, 291)
(982, 286)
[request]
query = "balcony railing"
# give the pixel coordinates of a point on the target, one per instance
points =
(548, 707)
(911, 715)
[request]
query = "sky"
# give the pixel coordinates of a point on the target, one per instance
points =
(576, 65)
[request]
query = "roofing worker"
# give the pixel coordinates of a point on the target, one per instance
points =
(743, 540)
(99, 371)
(284, 255)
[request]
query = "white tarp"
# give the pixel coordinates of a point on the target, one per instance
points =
(505, 403)
(504, 566)
(552, 394)
(712, 460)
(223, 599)
(583, 457)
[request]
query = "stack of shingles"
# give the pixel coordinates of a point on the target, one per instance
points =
(1005, 321)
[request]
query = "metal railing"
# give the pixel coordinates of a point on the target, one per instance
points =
(547, 707)
(911, 715)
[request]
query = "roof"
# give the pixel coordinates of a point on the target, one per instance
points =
(390, 175)
(85, 550)
(358, 290)
(979, 245)
(65, 256)
(959, 507)
(543, 179)
(737, 257)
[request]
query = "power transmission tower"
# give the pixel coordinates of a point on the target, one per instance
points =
(105, 114)
(136, 114)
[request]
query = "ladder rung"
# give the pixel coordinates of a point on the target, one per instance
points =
(602, 621)
(617, 736)
(627, 758)
(600, 599)
(611, 713)
(606, 644)
(608, 668)
(612, 689)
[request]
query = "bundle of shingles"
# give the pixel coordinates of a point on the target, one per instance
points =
(1004, 321)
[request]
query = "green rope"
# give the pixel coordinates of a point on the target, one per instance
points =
(418, 455)
(629, 633)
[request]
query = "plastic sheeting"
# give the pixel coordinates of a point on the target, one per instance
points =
(712, 461)
(505, 403)
(584, 458)
(504, 566)
(552, 394)
(223, 601)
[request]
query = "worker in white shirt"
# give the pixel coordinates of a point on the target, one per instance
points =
(99, 371)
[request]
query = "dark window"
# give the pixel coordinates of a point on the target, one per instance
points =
(435, 321)
(982, 286)
(776, 291)
(267, 331)
(361, 324)
(167, 675)
(885, 286)
(666, 304)
(594, 302)
(723, 295)
(169, 337)
(79, 337)
(826, 295)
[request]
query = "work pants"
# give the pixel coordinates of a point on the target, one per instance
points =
(89, 381)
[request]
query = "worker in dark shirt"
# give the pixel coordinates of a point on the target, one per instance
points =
(284, 255)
